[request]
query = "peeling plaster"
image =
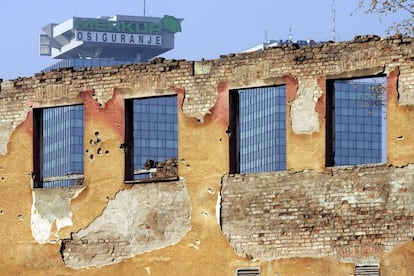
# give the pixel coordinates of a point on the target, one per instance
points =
(405, 85)
(102, 96)
(4, 138)
(141, 219)
(202, 67)
(303, 115)
(9, 124)
(50, 205)
(401, 185)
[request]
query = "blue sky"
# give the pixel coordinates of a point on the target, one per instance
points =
(210, 28)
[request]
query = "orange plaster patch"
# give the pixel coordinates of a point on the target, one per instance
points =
(112, 114)
(181, 96)
(291, 87)
(392, 79)
(220, 110)
(27, 124)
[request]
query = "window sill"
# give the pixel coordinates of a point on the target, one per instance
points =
(79, 181)
(151, 180)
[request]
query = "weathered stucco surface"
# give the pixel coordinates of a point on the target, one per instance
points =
(108, 209)
(140, 219)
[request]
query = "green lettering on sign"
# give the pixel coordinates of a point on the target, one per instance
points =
(168, 23)
(84, 24)
(101, 25)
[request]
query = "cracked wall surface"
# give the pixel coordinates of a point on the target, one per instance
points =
(196, 245)
(141, 219)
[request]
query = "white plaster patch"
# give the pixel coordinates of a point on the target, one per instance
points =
(4, 139)
(350, 199)
(140, 219)
(218, 208)
(405, 85)
(41, 228)
(303, 115)
(402, 189)
(50, 205)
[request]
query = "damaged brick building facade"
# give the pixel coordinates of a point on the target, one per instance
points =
(194, 213)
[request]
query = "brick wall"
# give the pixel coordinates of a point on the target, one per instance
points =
(200, 79)
(353, 214)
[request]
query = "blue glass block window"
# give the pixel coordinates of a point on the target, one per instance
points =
(62, 149)
(262, 129)
(360, 122)
(155, 134)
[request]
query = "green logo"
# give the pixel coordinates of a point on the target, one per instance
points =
(171, 23)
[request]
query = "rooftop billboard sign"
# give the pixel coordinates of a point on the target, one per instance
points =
(78, 36)
(124, 32)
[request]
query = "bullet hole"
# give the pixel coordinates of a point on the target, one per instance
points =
(86, 150)
(3, 179)
(91, 141)
(98, 140)
(99, 151)
(20, 217)
(91, 156)
(107, 152)
(220, 139)
(399, 138)
(197, 242)
(205, 213)
(211, 191)
(188, 165)
(1, 212)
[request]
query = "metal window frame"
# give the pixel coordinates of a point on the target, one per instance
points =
(330, 115)
(38, 178)
(128, 147)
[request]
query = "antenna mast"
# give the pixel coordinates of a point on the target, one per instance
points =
(333, 21)
(144, 6)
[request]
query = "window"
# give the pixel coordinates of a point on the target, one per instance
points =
(58, 146)
(355, 122)
(151, 139)
(258, 130)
